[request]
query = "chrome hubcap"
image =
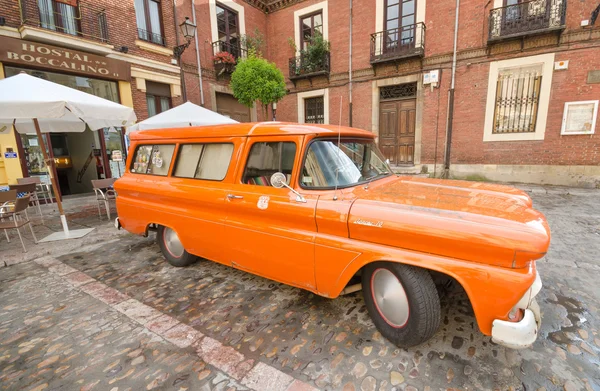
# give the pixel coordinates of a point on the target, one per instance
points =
(172, 243)
(390, 297)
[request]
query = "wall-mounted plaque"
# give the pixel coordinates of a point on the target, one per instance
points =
(580, 117)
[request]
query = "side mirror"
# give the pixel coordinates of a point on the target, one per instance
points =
(278, 180)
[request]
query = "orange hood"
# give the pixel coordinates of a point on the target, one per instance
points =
(479, 222)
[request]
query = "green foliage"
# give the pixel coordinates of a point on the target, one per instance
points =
(292, 44)
(254, 42)
(314, 56)
(316, 50)
(255, 79)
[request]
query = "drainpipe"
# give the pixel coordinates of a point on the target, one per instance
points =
(451, 99)
(198, 55)
(350, 71)
(181, 74)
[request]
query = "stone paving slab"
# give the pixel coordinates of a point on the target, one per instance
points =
(53, 336)
(248, 321)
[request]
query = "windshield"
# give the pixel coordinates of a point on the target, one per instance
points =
(354, 161)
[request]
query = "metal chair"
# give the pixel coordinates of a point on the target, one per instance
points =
(7, 203)
(30, 189)
(42, 189)
(20, 205)
(104, 193)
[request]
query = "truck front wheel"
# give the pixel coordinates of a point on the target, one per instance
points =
(402, 301)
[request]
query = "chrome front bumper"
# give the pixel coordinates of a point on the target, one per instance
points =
(521, 334)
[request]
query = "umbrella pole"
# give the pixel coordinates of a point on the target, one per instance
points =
(50, 167)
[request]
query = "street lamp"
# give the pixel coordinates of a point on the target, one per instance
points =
(274, 110)
(188, 30)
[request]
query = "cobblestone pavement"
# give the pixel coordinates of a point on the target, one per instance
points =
(284, 332)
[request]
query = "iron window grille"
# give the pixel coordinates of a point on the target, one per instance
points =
(314, 110)
(517, 102)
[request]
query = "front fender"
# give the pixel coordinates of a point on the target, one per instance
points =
(492, 290)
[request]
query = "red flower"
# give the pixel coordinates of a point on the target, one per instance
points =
(224, 57)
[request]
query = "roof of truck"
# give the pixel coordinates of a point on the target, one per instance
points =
(247, 130)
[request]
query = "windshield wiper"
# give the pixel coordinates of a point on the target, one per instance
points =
(370, 179)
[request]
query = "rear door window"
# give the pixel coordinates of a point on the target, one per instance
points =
(153, 159)
(204, 161)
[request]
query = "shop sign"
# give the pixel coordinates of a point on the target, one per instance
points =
(10, 155)
(37, 55)
(117, 156)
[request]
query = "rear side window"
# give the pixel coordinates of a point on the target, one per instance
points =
(267, 158)
(153, 159)
(203, 161)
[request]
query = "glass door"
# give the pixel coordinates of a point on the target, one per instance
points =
(115, 150)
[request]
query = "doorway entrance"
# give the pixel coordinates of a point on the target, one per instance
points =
(230, 107)
(397, 120)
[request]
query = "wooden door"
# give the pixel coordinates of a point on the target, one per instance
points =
(397, 130)
(228, 106)
(388, 130)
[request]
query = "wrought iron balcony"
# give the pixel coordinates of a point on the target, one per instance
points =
(151, 37)
(527, 18)
(395, 44)
(80, 19)
(306, 66)
(225, 56)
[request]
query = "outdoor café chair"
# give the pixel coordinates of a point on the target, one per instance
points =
(18, 221)
(42, 189)
(7, 203)
(104, 193)
(29, 189)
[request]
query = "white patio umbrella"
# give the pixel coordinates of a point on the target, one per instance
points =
(34, 105)
(187, 114)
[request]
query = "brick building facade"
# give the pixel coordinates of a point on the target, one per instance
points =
(119, 50)
(518, 63)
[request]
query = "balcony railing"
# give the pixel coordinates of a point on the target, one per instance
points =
(83, 19)
(530, 17)
(306, 66)
(226, 55)
(151, 37)
(398, 43)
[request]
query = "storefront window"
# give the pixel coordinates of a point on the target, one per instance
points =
(102, 88)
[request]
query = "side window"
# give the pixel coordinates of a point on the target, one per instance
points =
(203, 161)
(267, 158)
(153, 159)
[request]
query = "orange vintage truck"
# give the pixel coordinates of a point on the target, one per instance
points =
(317, 206)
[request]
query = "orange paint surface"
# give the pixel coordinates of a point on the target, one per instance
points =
(485, 236)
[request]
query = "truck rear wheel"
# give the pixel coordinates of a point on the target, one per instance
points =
(172, 248)
(402, 301)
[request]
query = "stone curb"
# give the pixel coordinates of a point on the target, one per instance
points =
(257, 376)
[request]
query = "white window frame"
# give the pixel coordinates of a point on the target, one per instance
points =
(314, 94)
(309, 10)
(212, 7)
(566, 112)
(547, 62)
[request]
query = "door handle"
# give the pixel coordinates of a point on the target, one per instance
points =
(234, 197)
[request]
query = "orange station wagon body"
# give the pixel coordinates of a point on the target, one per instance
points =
(485, 236)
